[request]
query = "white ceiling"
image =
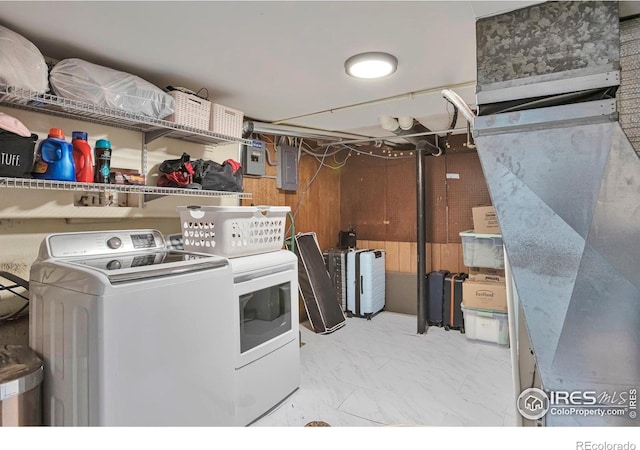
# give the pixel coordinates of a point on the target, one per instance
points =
(278, 61)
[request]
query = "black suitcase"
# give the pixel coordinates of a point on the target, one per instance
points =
(336, 262)
(452, 299)
(434, 300)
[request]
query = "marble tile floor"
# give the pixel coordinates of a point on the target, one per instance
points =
(382, 373)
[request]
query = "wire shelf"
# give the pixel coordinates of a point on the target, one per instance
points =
(59, 106)
(32, 183)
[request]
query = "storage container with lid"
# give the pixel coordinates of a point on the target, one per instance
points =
(482, 250)
(487, 326)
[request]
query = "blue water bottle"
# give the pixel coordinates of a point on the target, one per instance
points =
(54, 158)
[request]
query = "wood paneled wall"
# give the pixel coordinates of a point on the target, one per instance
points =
(379, 201)
(379, 195)
(402, 256)
(316, 207)
(379, 198)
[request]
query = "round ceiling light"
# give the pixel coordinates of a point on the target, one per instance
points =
(371, 65)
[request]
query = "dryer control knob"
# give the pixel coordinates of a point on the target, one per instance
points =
(114, 242)
(114, 264)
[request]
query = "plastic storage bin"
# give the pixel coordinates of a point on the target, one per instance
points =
(190, 110)
(232, 231)
(16, 154)
(488, 326)
(226, 121)
(482, 250)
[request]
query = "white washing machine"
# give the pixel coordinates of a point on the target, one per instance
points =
(132, 333)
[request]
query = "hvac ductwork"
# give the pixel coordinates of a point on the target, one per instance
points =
(565, 182)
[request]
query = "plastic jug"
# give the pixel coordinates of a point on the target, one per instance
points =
(82, 157)
(54, 158)
(103, 161)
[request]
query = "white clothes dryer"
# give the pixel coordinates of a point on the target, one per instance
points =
(266, 332)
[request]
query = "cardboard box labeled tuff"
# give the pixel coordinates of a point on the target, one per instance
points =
(486, 274)
(485, 220)
(487, 295)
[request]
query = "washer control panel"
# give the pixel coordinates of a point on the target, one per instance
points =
(94, 243)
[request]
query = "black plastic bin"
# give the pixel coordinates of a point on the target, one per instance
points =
(16, 154)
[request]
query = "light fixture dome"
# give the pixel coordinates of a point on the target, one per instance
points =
(371, 65)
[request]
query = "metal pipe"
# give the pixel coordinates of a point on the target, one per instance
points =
(396, 137)
(408, 95)
(421, 210)
(338, 137)
(302, 132)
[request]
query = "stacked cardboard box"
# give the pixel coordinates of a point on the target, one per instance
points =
(485, 289)
(484, 293)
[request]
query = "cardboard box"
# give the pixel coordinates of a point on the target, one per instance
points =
(486, 274)
(485, 220)
(487, 295)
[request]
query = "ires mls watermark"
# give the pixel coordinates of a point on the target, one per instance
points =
(534, 403)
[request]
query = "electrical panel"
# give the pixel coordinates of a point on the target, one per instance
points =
(287, 175)
(253, 158)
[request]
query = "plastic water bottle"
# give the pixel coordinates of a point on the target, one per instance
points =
(82, 157)
(54, 158)
(103, 161)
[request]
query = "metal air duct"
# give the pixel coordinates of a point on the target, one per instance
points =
(565, 182)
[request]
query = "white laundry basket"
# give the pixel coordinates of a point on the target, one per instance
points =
(232, 231)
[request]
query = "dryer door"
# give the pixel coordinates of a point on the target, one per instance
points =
(263, 314)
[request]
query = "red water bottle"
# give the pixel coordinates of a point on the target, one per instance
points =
(82, 157)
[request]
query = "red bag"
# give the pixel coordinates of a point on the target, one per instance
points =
(182, 177)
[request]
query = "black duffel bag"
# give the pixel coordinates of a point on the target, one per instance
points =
(213, 176)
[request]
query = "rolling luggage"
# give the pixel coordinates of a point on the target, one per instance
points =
(365, 283)
(452, 300)
(324, 312)
(434, 300)
(336, 261)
